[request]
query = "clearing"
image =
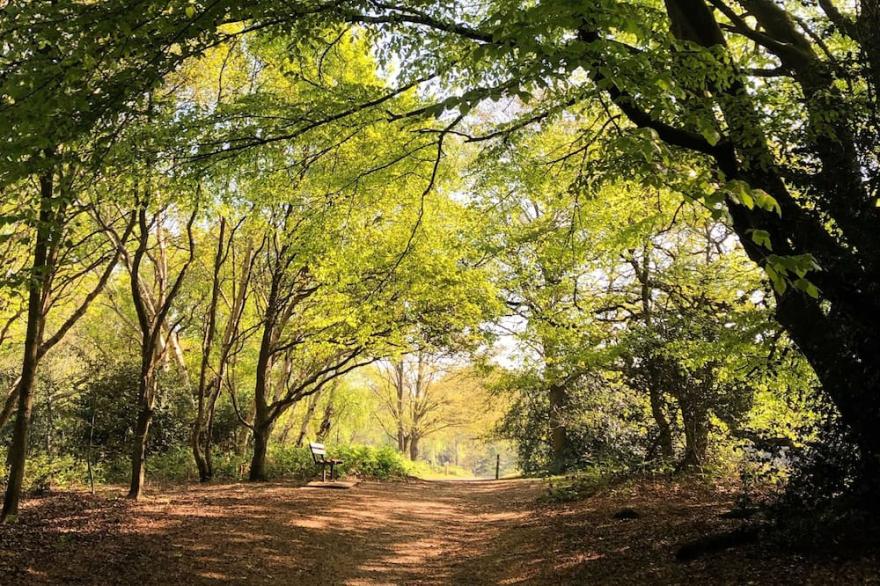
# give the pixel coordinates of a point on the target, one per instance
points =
(417, 532)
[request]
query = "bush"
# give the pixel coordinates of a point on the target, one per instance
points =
(176, 466)
(583, 483)
(605, 422)
(44, 472)
(230, 465)
(290, 462)
(172, 467)
(383, 463)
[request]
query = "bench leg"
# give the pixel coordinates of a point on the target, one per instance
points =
(323, 473)
(331, 472)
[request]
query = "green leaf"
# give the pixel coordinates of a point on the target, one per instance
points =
(711, 135)
(807, 287)
(765, 201)
(761, 238)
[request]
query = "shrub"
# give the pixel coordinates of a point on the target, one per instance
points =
(379, 463)
(582, 484)
(44, 472)
(290, 462)
(230, 465)
(173, 466)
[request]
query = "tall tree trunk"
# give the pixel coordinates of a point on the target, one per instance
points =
(655, 392)
(658, 412)
(400, 408)
(414, 447)
(837, 333)
(696, 434)
(33, 337)
(203, 428)
(327, 419)
(401, 439)
(139, 447)
(262, 426)
(560, 445)
(152, 311)
(261, 449)
(199, 433)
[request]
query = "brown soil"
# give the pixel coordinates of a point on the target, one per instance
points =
(476, 532)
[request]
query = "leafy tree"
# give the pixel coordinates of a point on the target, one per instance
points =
(747, 113)
(416, 407)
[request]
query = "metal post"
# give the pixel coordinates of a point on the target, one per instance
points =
(497, 466)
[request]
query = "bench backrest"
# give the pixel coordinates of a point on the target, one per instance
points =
(317, 450)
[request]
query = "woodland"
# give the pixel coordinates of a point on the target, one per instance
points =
(620, 258)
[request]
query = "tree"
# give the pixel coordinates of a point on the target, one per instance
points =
(750, 112)
(63, 260)
(153, 293)
(695, 341)
(646, 294)
(212, 371)
(410, 396)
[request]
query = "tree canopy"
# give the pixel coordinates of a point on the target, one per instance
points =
(637, 233)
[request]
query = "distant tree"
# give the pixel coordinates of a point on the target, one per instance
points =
(416, 407)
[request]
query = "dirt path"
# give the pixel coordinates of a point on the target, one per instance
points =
(470, 533)
(376, 533)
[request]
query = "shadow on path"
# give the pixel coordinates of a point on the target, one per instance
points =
(377, 533)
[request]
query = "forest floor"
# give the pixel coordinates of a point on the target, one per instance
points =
(416, 532)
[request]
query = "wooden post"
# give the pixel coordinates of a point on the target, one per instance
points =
(497, 466)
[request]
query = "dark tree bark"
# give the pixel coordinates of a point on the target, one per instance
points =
(209, 386)
(560, 445)
(658, 412)
(327, 418)
(50, 226)
(261, 434)
(695, 418)
(398, 411)
(414, 447)
(199, 437)
(152, 309)
(146, 396)
(37, 285)
(286, 286)
(561, 451)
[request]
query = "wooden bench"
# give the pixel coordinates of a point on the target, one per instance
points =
(319, 455)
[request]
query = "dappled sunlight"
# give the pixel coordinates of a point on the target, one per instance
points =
(377, 533)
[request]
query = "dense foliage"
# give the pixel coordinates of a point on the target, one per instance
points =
(623, 234)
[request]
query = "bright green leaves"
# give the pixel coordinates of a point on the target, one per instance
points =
(708, 130)
(740, 193)
(765, 201)
(793, 269)
(761, 238)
